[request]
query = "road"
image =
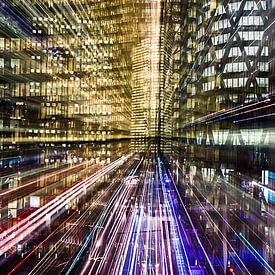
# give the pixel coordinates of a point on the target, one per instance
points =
(134, 214)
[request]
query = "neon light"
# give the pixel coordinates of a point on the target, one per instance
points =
(258, 254)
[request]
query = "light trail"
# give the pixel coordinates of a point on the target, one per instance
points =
(4, 193)
(17, 233)
(83, 221)
(221, 233)
(137, 251)
(5, 221)
(148, 242)
(211, 117)
(244, 112)
(41, 243)
(192, 225)
(229, 226)
(31, 172)
(98, 224)
(120, 224)
(129, 241)
(129, 237)
(262, 260)
(255, 117)
(121, 202)
(182, 262)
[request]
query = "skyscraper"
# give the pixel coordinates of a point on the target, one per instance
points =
(155, 72)
(66, 75)
(226, 63)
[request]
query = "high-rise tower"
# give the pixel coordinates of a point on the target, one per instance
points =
(155, 71)
(226, 61)
(66, 70)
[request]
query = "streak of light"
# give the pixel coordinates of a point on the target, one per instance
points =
(192, 225)
(229, 226)
(16, 233)
(45, 177)
(41, 243)
(80, 222)
(262, 260)
(255, 117)
(98, 224)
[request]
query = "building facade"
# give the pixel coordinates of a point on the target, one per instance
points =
(66, 70)
(225, 66)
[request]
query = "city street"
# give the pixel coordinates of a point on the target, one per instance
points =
(138, 213)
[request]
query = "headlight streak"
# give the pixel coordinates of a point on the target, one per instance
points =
(148, 202)
(138, 250)
(161, 227)
(123, 238)
(246, 225)
(88, 238)
(148, 219)
(108, 219)
(117, 224)
(90, 170)
(151, 224)
(31, 172)
(229, 226)
(156, 227)
(142, 244)
(15, 234)
(174, 228)
(126, 240)
(242, 113)
(140, 215)
(270, 269)
(127, 243)
(41, 243)
(157, 230)
(21, 214)
(228, 243)
(268, 213)
(143, 239)
(81, 222)
(139, 242)
(192, 225)
(252, 118)
(163, 253)
(45, 177)
(223, 237)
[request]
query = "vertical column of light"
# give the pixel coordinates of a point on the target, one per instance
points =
(139, 90)
(154, 66)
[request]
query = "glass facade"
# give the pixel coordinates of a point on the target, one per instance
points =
(66, 76)
(226, 65)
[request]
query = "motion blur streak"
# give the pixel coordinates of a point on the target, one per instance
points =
(37, 247)
(4, 193)
(17, 233)
(138, 236)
